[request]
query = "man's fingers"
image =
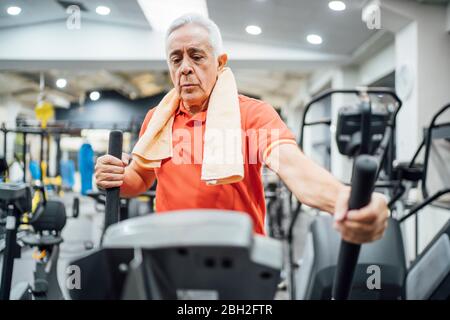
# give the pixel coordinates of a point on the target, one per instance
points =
(110, 169)
(377, 209)
(357, 232)
(352, 234)
(109, 177)
(355, 227)
(108, 159)
(366, 224)
(361, 227)
(365, 215)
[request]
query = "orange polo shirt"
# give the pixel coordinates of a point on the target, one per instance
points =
(179, 185)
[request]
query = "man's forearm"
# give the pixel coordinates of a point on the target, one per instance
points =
(310, 183)
(315, 187)
(134, 184)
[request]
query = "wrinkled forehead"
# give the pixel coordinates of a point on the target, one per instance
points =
(188, 36)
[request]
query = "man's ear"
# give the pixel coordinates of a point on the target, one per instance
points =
(222, 59)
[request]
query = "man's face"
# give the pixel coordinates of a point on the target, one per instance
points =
(193, 67)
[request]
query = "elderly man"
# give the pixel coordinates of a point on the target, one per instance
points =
(196, 61)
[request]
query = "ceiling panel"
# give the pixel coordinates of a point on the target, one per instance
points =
(288, 22)
(284, 22)
(41, 11)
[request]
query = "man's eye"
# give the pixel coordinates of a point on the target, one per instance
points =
(176, 60)
(197, 58)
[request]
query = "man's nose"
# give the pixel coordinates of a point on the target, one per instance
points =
(186, 68)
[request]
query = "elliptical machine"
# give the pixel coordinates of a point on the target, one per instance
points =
(429, 274)
(44, 224)
(221, 258)
(312, 279)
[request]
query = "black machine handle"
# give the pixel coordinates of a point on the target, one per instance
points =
(363, 181)
(112, 206)
(366, 112)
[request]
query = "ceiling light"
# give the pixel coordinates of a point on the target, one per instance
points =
(336, 5)
(94, 95)
(61, 83)
(102, 10)
(314, 39)
(254, 30)
(14, 11)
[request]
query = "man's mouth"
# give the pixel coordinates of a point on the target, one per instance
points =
(189, 85)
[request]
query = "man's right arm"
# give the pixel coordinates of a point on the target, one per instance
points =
(132, 180)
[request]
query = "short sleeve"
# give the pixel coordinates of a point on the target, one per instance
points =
(268, 128)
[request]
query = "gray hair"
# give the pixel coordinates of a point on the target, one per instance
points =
(215, 38)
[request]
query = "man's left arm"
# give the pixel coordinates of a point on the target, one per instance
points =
(316, 187)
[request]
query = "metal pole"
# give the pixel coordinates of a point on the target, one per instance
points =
(9, 254)
(24, 151)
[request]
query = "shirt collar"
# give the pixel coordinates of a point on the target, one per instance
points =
(200, 116)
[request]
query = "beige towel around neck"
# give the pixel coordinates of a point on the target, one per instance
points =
(222, 150)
